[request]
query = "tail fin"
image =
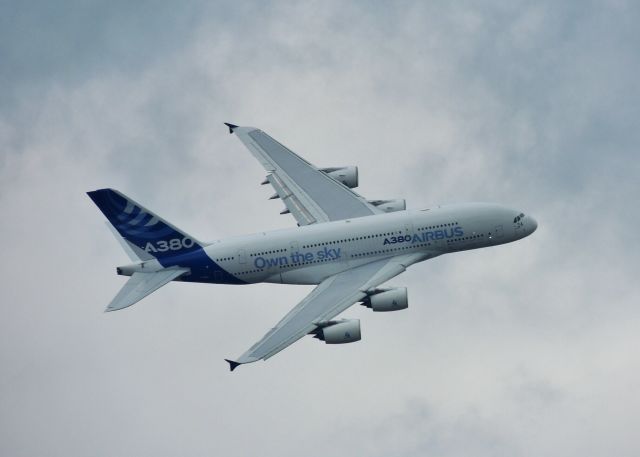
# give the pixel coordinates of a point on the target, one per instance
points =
(133, 252)
(147, 234)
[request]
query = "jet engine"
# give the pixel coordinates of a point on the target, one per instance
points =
(346, 175)
(339, 332)
(382, 300)
(390, 206)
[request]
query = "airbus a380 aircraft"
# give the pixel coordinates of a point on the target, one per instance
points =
(344, 244)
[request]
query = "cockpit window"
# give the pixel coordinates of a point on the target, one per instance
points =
(518, 217)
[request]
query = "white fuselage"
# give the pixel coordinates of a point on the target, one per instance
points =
(309, 254)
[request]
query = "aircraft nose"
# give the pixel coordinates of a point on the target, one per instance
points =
(532, 224)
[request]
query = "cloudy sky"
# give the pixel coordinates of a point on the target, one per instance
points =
(525, 349)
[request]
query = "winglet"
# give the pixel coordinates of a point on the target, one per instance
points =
(232, 364)
(231, 129)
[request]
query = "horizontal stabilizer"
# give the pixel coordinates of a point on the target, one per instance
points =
(142, 284)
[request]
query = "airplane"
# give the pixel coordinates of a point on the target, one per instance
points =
(345, 245)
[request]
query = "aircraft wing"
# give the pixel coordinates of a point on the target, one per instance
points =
(331, 297)
(140, 285)
(309, 194)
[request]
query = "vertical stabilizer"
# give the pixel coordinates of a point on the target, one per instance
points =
(144, 233)
(133, 252)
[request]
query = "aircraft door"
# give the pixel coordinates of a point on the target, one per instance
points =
(518, 228)
(242, 256)
(294, 247)
(439, 244)
(408, 228)
(498, 234)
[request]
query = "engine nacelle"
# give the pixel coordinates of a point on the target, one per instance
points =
(339, 332)
(383, 300)
(390, 206)
(346, 175)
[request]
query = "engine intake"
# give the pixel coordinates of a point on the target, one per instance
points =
(340, 332)
(383, 300)
(346, 175)
(390, 206)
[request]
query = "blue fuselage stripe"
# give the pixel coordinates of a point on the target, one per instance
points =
(203, 269)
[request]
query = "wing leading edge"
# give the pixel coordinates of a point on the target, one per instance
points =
(309, 194)
(331, 297)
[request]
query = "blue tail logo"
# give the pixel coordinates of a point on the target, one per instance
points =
(141, 227)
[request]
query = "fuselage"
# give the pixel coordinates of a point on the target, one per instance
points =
(309, 254)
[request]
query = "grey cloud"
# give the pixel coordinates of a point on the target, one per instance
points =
(525, 349)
